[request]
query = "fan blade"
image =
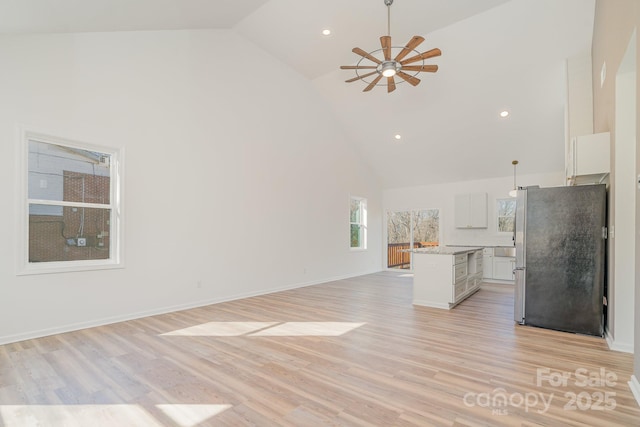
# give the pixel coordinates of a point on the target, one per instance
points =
(428, 54)
(358, 67)
(413, 43)
(360, 77)
(361, 52)
(373, 83)
(426, 68)
(385, 41)
(391, 84)
(409, 79)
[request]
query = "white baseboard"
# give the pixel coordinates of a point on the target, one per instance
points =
(498, 281)
(634, 385)
(431, 304)
(7, 339)
(616, 345)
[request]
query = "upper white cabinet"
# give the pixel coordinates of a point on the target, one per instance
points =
(589, 158)
(471, 210)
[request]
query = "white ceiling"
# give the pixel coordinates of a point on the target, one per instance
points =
(497, 54)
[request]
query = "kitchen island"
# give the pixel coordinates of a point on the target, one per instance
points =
(444, 276)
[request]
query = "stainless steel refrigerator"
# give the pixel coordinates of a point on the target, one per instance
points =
(560, 239)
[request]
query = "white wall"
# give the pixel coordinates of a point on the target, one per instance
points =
(621, 318)
(237, 174)
(579, 95)
(441, 196)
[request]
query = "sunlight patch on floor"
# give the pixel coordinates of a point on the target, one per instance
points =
(105, 415)
(76, 415)
(324, 329)
(191, 415)
(266, 329)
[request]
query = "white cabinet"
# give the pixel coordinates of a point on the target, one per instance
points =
(487, 263)
(503, 268)
(498, 265)
(475, 262)
(471, 210)
(589, 158)
(444, 280)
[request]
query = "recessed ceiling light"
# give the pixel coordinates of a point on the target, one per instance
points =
(398, 136)
(504, 113)
(326, 32)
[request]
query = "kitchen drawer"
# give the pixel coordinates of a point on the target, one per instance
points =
(460, 258)
(471, 281)
(477, 279)
(459, 289)
(487, 252)
(459, 272)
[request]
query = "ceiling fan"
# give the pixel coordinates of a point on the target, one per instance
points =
(387, 67)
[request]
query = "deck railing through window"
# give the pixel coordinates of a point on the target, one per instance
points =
(397, 255)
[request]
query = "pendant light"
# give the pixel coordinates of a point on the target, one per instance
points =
(514, 192)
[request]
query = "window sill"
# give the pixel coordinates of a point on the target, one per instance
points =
(67, 267)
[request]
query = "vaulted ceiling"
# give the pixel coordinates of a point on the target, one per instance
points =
(497, 55)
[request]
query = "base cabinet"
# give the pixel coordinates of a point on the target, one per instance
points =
(487, 263)
(443, 281)
(498, 268)
(503, 268)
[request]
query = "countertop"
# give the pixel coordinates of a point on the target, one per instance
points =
(446, 250)
(483, 246)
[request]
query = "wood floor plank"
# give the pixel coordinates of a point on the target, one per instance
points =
(352, 352)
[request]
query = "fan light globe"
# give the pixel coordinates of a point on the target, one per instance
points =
(389, 69)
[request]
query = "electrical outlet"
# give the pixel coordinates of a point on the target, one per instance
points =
(82, 241)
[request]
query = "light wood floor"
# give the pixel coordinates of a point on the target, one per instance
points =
(352, 352)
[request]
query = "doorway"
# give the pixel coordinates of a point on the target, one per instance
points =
(408, 230)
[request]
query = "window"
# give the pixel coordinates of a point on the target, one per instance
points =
(358, 222)
(72, 211)
(506, 213)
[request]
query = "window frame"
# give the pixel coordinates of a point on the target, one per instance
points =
(115, 205)
(497, 216)
(362, 224)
